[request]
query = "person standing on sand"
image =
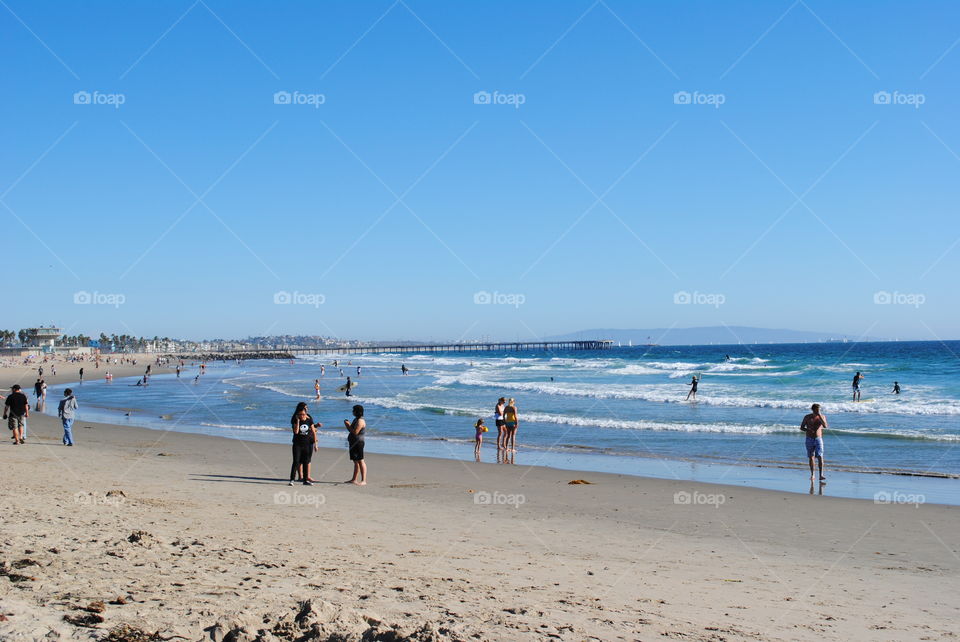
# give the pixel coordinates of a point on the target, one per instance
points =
(511, 422)
(857, 378)
(813, 425)
(16, 409)
(356, 431)
(694, 382)
(498, 420)
(304, 443)
(67, 412)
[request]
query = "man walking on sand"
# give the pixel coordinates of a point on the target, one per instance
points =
(813, 425)
(67, 411)
(16, 409)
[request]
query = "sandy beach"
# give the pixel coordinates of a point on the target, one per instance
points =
(196, 537)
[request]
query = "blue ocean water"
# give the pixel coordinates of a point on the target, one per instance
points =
(617, 410)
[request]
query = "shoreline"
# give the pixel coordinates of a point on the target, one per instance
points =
(844, 481)
(457, 548)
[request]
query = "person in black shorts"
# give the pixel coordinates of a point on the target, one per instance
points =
(501, 425)
(304, 443)
(16, 409)
(356, 430)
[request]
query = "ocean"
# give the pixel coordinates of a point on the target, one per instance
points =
(620, 410)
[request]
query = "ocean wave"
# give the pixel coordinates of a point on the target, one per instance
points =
(243, 427)
(612, 423)
(666, 393)
(277, 389)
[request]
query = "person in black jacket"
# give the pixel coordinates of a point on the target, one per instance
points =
(304, 443)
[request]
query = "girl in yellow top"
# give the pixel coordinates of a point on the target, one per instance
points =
(511, 423)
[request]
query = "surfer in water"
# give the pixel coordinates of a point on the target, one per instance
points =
(896, 388)
(694, 382)
(857, 378)
(349, 386)
(404, 369)
(813, 425)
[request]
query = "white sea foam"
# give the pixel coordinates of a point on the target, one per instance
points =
(666, 393)
(613, 423)
(278, 389)
(242, 427)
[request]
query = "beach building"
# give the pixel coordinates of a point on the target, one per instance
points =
(44, 338)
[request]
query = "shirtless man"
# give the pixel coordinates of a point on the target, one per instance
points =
(813, 425)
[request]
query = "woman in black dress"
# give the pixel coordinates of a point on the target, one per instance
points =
(356, 431)
(304, 443)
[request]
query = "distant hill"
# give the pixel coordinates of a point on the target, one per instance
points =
(717, 335)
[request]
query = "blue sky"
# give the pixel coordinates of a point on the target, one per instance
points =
(798, 202)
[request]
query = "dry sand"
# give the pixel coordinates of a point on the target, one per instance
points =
(195, 537)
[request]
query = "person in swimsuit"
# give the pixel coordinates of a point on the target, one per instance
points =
(511, 422)
(856, 385)
(813, 425)
(356, 430)
(316, 388)
(694, 382)
(479, 429)
(498, 416)
(304, 443)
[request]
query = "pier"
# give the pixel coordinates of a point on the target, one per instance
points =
(513, 346)
(288, 352)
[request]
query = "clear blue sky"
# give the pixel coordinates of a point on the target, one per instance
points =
(399, 198)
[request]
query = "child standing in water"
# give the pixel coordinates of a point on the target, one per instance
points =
(478, 437)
